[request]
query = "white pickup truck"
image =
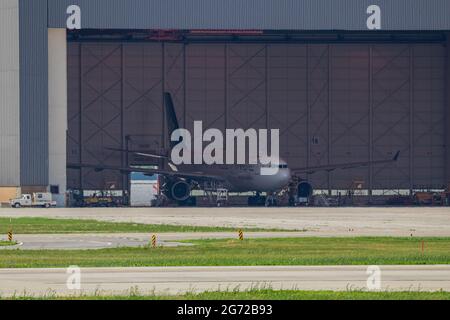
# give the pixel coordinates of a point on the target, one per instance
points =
(43, 200)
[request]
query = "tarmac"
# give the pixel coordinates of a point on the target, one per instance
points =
(331, 222)
(101, 241)
(177, 280)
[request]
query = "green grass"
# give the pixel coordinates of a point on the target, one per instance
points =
(61, 226)
(266, 294)
(7, 243)
(293, 251)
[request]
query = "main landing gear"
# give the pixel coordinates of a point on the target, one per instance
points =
(263, 201)
(256, 200)
(271, 200)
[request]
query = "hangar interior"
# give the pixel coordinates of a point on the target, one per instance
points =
(336, 98)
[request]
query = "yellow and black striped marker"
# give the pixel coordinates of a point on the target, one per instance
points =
(241, 235)
(154, 241)
(10, 236)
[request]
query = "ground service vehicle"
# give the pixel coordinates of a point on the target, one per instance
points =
(36, 200)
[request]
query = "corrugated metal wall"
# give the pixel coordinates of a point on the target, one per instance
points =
(33, 93)
(9, 94)
(253, 14)
(333, 103)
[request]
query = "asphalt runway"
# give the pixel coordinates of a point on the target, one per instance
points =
(403, 221)
(176, 280)
(101, 241)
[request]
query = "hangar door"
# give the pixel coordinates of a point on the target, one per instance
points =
(333, 103)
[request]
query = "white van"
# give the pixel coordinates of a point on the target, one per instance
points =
(40, 199)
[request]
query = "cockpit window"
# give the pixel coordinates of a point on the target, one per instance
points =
(279, 166)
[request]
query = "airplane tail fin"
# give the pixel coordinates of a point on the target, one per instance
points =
(171, 116)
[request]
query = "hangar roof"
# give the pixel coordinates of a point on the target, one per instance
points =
(253, 14)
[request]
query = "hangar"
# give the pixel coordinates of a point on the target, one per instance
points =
(81, 76)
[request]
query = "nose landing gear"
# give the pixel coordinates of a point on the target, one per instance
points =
(271, 200)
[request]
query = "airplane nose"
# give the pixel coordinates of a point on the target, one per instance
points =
(286, 175)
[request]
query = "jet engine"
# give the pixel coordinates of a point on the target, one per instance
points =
(180, 190)
(304, 190)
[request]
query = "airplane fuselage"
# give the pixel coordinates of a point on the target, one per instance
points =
(247, 178)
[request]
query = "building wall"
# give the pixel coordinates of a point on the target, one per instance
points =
(7, 193)
(334, 103)
(9, 98)
(34, 124)
(253, 14)
(57, 110)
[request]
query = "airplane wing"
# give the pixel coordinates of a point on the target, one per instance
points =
(199, 176)
(140, 153)
(333, 167)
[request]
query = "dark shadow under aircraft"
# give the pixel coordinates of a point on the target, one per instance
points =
(181, 180)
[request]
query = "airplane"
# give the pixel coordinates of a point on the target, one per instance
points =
(181, 180)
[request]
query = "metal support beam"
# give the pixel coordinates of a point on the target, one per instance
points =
(184, 85)
(329, 117)
(266, 85)
(80, 128)
(226, 85)
(308, 108)
(447, 114)
(163, 77)
(126, 187)
(411, 120)
(370, 121)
